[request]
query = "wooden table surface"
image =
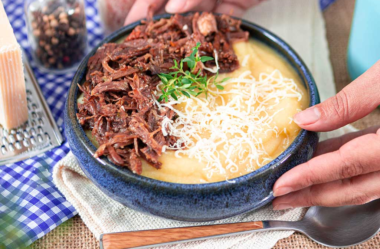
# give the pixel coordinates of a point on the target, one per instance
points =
(73, 234)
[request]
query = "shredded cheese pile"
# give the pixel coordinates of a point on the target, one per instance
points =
(223, 134)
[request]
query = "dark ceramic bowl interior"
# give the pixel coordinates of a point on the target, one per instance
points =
(190, 202)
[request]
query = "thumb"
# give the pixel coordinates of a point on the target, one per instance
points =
(355, 101)
(181, 6)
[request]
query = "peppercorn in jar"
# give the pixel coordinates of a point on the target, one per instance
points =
(57, 32)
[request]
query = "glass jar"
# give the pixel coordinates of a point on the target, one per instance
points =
(113, 13)
(57, 32)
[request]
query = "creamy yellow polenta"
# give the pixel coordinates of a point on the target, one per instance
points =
(260, 59)
(279, 133)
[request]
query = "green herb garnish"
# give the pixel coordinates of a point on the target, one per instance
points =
(187, 83)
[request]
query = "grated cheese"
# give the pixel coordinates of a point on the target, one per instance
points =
(224, 134)
(245, 60)
(216, 68)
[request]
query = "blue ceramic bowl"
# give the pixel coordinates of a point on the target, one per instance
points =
(190, 202)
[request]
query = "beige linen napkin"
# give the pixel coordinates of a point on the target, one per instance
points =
(103, 215)
(298, 22)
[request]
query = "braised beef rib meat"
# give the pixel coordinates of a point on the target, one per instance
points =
(119, 100)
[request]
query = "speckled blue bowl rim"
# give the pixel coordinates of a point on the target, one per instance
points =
(297, 64)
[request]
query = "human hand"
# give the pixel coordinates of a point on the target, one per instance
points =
(233, 7)
(345, 170)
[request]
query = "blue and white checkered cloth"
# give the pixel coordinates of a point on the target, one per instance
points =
(30, 204)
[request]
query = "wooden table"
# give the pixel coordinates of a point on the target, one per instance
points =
(73, 234)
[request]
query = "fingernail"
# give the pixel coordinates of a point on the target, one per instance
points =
(282, 191)
(282, 207)
(308, 116)
(175, 6)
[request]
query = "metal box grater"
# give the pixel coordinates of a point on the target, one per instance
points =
(39, 134)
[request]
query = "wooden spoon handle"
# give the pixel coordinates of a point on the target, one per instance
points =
(159, 236)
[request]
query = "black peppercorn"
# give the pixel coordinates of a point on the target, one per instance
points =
(57, 32)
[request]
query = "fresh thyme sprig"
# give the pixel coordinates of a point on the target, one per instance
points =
(181, 82)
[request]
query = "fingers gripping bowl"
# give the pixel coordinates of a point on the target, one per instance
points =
(191, 202)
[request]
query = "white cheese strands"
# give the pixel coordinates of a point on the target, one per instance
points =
(226, 130)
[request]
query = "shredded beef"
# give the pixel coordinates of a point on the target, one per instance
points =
(118, 95)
